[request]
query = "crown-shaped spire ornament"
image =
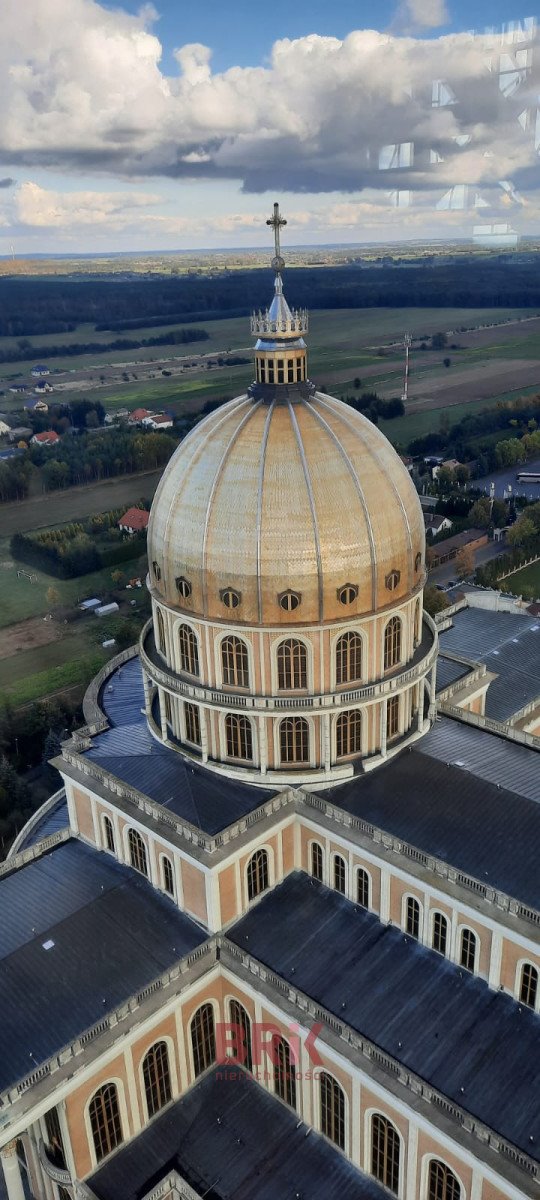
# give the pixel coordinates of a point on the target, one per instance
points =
(279, 320)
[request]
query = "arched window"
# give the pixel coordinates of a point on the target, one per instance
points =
(257, 874)
(362, 887)
(108, 834)
(167, 874)
(349, 733)
(528, 986)
(340, 874)
(385, 1152)
(294, 740)
(440, 933)
(292, 665)
(349, 658)
(157, 1077)
(412, 917)
(193, 723)
(241, 1024)
(104, 1114)
(203, 1038)
(137, 852)
(162, 645)
(284, 1071)
(332, 1110)
(317, 860)
(442, 1183)
(467, 956)
(189, 650)
(234, 661)
(239, 737)
(392, 717)
(392, 643)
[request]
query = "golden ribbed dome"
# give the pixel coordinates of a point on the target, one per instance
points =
(298, 493)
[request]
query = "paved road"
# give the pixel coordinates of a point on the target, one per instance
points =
(448, 571)
(74, 504)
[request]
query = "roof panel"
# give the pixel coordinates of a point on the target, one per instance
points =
(441, 1022)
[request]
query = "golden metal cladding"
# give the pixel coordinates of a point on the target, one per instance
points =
(266, 497)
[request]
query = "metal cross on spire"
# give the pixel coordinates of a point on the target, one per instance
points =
(276, 222)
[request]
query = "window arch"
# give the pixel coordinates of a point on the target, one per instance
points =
(189, 650)
(157, 1077)
(332, 1110)
(385, 1152)
(440, 933)
(349, 658)
(412, 917)
(203, 1038)
(392, 717)
(167, 874)
(239, 738)
(257, 874)
(349, 733)
(528, 985)
(241, 1024)
(362, 887)
(291, 665)
(105, 1123)
(137, 852)
(317, 861)
(234, 662)
(162, 645)
(284, 1071)
(392, 643)
(467, 953)
(108, 834)
(294, 740)
(193, 723)
(442, 1183)
(340, 874)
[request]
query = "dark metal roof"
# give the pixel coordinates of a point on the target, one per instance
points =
(113, 934)
(122, 696)
(509, 644)
(482, 829)
(484, 754)
(230, 1139)
(449, 672)
(209, 801)
(444, 1024)
(51, 822)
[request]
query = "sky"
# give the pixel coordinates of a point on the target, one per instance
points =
(171, 126)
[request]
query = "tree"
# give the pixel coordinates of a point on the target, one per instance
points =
(118, 578)
(53, 596)
(523, 533)
(480, 513)
(464, 562)
(438, 341)
(357, 383)
(447, 361)
(462, 474)
(445, 479)
(434, 600)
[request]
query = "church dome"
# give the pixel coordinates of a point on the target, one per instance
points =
(292, 509)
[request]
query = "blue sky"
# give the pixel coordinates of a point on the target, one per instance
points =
(176, 126)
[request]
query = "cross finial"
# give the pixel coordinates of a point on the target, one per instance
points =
(276, 222)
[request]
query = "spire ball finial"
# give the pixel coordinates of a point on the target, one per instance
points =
(276, 222)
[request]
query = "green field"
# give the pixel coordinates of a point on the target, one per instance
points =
(20, 599)
(76, 673)
(524, 583)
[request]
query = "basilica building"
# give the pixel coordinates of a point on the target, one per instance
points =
(276, 936)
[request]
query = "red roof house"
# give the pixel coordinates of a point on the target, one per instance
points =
(138, 415)
(134, 520)
(48, 438)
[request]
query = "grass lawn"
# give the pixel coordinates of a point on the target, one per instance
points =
(524, 583)
(20, 599)
(77, 672)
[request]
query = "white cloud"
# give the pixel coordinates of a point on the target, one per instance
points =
(427, 14)
(81, 87)
(36, 206)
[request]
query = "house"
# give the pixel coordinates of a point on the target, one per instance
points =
(471, 539)
(36, 405)
(407, 461)
(39, 371)
(18, 389)
(13, 452)
(21, 433)
(4, 429)
(134, 520)
(449, 464)
(48, 438)
(42, 389)
(436, 523)
(138, 416)
(158, 421)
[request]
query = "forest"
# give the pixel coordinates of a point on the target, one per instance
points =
(39, 305)
(177, 337)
